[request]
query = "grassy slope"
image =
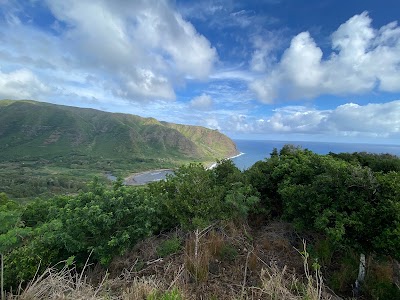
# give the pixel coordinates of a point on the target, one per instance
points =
(212, 142)
(31, 129)
(44, 142)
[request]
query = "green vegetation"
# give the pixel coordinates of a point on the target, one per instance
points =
(342, 206)
(48, 149)
(169, 295)
(169, 246)
(228, 252)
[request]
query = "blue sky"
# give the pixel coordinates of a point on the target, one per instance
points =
(319, 70)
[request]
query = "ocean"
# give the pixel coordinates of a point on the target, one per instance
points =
(254, 151)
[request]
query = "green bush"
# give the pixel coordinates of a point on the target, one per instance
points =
(227, 252)
(174, 294)
(169, 246)
(195, 197)
(101, 223)
(107, 222)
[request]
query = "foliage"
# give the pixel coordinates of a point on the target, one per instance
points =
(351, 204)
(376, 162)
(9, 214)
(384, 226)
(343, 270)
(192, 195)
(169, 246)
(107, 222)
(195, 197)
(174, 294)
(227, 252)
(262, 177)
(39, 249)
(102, 222)
(351, 207)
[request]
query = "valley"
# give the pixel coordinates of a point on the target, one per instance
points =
(50, 149)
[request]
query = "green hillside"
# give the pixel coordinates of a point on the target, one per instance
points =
(30, 129)
(70, 141)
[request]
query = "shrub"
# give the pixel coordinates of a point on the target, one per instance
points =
(228, 252)
(195, 197)
(169, 246)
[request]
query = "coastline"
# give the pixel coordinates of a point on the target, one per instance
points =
(213, 165)
(141, 178)
(144, 177)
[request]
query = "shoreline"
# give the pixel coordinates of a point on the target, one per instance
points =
(133, 180)
(144, 177)
(213, 165)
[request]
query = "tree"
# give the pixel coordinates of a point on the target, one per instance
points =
(191, 196)
(195, 197)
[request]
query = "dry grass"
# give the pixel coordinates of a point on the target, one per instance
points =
(141, 288)
(61, 284)
(196, 272)
(197, 256)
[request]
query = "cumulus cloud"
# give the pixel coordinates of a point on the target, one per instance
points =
(202, 102)
(376, 119)
(140, 49)
(144, 44)
(362, 59)
(212, 123)
(371, 120)
(240, 123)
(21, 84)
(262, 57)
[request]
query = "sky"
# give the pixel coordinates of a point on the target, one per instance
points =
(315, 70)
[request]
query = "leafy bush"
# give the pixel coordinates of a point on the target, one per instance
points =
(228, 252)
(169, 247)
(195, 197)
(376, 162)
(103, 223)
(174, 294)
(107, 222)
(349, 203)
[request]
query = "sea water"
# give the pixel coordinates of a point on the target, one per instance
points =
(254, 151)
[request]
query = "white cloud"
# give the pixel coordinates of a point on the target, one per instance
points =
(212, 123)
(232, 74)
(262, 57)
(202, 102)
(141, 50)
(21, 84)
(239, 123)
(377, 119)
(370, 120)
(363, 58)
(266, 89)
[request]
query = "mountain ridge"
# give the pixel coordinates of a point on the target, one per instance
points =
(32, 129)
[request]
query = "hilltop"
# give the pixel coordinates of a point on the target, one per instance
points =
(57, 144)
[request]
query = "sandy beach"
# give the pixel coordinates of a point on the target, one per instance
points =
(213, 165)
(141, 178)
